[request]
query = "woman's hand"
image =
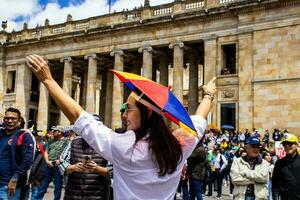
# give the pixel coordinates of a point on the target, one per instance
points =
(210, 87)
(209, 90)
(78, 167)
(91, 166)
(39, 67)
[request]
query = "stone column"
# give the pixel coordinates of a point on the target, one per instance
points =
(98, 95)
(108, 98)
(23, 90)
(147, 61)
(77, 82)
(164, 70)
(117, 92)
(90, 103)
(210, 63)
(67, 85)
(193, 83)
(245, 106)
(178, 62)
(43, 108)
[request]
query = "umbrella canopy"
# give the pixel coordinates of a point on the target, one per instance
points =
(165, 102)
(227, 126)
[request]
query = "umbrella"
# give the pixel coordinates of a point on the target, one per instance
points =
(227, 126)
(166, 104)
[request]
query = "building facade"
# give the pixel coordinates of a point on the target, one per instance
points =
(252, 46)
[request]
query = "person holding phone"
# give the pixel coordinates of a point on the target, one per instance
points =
(88, 175)
(148, 158)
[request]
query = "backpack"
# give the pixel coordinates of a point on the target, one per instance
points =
(38, 168)
(229, 163)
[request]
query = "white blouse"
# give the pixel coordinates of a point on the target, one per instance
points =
(134, 170)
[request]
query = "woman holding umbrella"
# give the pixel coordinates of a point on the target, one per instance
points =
(148, 158)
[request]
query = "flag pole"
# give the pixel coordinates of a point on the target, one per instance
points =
(109, 6)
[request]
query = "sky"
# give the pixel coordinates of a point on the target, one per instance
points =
(34, 12)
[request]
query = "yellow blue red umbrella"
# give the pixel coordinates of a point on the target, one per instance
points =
(165, 102)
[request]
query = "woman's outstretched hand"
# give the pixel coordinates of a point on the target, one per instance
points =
(39, 67)
(41, 70)
(209, 90)
(210, 87)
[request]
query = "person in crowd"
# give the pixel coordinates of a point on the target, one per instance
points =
(38, 171)
(277, 135)
(286, 176)
(16, 155)
(183, 189)
(122, 129)
(250, 173)
(266, 138)
(52, 157)
(247, 134)
(148, 158)
(241, 137)
(218, 164)
(88, 177)
(230, 157)
(267, 156)
(196, 170)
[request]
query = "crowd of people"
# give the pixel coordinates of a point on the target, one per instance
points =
(144, 159)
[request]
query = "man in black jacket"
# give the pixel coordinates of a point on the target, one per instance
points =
(286, 176)
(196, 169)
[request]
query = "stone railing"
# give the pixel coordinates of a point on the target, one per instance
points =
(82, 26)
(163, 11)
(108, 21)
(58, 30)
(194, 5)
(132, 15)
(226, 1)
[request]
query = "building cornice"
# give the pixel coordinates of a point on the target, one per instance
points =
(89, 26)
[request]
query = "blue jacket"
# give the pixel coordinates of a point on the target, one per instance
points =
(22, 155)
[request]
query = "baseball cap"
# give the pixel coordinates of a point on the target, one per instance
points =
(123, 107)
(58, 128)
(289, 137)
(253, 140)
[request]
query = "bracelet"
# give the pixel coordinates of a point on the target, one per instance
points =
(209, 93)
(208, 97)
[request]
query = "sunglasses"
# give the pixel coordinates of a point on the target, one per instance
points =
(287, 144)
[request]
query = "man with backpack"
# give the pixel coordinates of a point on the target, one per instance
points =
(16, 155)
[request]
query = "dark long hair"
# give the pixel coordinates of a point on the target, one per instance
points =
(163, 144)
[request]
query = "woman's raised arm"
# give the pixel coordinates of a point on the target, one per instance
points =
(209, 92)
(41, 70)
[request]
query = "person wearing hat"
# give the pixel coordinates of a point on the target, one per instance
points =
(123, 128)
(149, 157)
(250, 173)
(52, 157)
(218, 163)
(286, 176)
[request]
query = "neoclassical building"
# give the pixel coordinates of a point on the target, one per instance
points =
(251, 46)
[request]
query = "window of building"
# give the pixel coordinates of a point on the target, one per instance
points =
(229, 59)
(35, 84)
(11, 82)
(228, 113)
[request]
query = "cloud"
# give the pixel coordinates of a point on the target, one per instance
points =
(19, 11)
